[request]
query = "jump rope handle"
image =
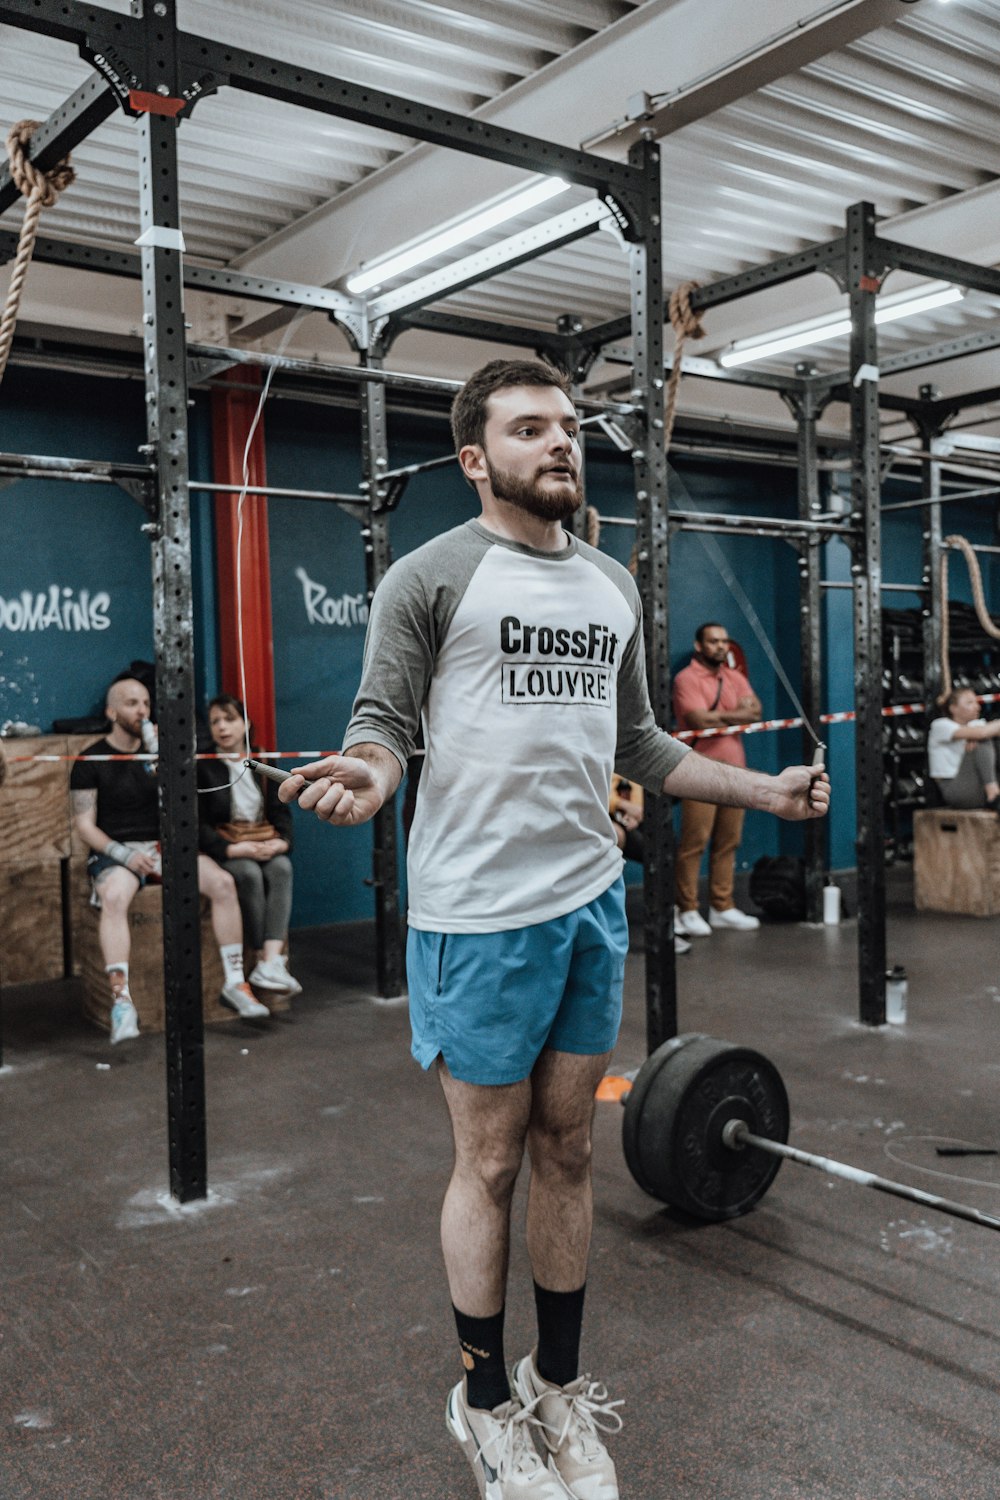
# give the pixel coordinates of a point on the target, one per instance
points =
(271, 772)
(818, 762)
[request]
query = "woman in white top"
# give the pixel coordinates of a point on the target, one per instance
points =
(962, 753)
(246, 827)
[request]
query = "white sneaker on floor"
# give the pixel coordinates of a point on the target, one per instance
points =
(499, 1447)
(681, 945)
(272, 974)
(124, 1020)
(241, 999)
(691, 923)
(739, 921)
(571, 1419)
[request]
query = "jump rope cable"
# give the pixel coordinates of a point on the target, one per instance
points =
(734, 586)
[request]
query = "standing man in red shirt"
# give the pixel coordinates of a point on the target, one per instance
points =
(710, 694)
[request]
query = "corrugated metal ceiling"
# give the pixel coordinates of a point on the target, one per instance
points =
(905, 116)
(251, 166)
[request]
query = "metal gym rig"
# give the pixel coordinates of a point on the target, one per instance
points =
(146, 66)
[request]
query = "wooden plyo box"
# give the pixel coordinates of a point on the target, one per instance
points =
(956, 861)
(145, 964)
(34, 843)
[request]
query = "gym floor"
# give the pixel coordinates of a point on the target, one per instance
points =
(291, 1339)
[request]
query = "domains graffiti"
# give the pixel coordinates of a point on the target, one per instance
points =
(56, 608)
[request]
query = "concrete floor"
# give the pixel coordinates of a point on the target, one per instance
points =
(291, 1338)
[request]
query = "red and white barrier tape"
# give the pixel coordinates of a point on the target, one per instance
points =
(142, 755)
(894, 711)
(847, 716)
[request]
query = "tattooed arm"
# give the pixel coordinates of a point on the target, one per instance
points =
(84, 807)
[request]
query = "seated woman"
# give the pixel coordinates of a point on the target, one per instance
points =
(962, 755)
(248, 830)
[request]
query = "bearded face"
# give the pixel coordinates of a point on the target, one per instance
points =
(552, 492)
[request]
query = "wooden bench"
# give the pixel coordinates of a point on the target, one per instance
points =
(956, 861)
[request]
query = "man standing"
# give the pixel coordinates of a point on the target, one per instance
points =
(521, 649)
(710, 694)
(116, 813)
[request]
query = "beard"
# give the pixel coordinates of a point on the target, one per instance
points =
(528, 494)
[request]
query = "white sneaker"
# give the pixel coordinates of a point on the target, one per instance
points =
(571, 1419)
(691, 923)
(241, 999)
(499, 1447)
(681, 945)
(124, 1020)
(739, 921)
(272, 974)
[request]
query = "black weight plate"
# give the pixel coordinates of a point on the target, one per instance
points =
(674, 1118)
(636, 1098)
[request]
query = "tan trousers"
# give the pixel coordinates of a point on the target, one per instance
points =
(701, 821)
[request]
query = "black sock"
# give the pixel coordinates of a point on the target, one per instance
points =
(481, 1340)
(560, 1318)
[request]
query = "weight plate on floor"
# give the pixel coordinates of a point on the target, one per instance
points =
(674, 1117)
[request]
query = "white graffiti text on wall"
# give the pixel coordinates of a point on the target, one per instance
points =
(322, 608)
(56, 608)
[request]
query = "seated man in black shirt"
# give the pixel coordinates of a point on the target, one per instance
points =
(116, 813)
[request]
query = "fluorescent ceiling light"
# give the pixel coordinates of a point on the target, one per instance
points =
(821, 330)
(540, 191)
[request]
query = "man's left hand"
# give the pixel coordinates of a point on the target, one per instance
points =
(801, 792)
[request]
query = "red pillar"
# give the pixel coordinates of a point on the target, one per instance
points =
(232, 413)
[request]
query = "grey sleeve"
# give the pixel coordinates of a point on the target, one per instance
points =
(400, 648)
(645, 752)
(410, 614)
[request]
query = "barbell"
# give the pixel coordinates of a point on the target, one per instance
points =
(705, 1130)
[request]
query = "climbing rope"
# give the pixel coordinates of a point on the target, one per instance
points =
(978, 600)
(592, 535)
(686, 325)
(41, 189)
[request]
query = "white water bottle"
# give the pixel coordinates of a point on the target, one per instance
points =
(895, 995)
(831, 905)
(150, 743)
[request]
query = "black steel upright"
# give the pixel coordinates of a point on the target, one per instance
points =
(864, 272)
(935, 598)
(378, 555)
(807, 411)
(167, 430)
(652, 543)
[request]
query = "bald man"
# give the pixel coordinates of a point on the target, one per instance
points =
(116, 813)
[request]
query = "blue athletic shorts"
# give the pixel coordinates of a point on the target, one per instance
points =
(488, 1002)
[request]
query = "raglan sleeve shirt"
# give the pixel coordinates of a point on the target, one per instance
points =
(526, 671)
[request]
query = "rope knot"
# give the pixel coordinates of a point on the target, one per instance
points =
(45, 187)
(686, 325)
(683, 320)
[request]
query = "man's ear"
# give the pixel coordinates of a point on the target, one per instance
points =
(472, 462)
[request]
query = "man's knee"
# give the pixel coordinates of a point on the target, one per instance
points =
(116, 895)
(495, 1170)
(565, 1150)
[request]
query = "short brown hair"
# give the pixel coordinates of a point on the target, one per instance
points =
(468, 410)
(953, 697)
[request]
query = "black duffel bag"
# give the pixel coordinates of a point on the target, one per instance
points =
(778, 887)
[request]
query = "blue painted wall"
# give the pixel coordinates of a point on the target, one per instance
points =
(87, 538)
(75, 568)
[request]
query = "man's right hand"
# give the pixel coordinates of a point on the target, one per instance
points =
(341, 789)
(143, 864)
